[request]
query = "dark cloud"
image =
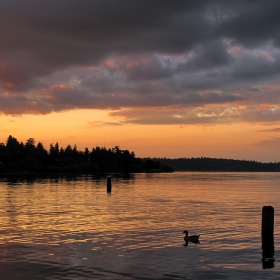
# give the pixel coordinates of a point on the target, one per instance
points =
(42, 37)
(253, 23)
(64, 55)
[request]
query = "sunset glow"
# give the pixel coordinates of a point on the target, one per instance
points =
(169, 80)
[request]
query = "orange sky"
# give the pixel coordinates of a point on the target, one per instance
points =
(160, 78)
(237, 141)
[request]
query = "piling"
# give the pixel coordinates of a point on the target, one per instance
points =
(109, 184)
(267, 236)
(267, 222)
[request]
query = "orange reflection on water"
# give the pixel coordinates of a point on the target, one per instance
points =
(77, 222)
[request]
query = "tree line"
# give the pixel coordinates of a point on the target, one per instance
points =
(29, 157)
(217, 164)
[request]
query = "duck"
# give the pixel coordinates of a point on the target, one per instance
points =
(191, 238)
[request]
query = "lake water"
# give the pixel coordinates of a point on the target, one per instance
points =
(59, 228)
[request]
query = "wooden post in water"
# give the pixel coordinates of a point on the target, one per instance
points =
(267, 222)
(267, 236)
(109, 184)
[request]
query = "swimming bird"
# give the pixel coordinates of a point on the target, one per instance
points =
(191, 238)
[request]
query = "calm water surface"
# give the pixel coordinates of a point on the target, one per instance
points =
(72, 229)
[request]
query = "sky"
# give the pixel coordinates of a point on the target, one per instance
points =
(162, 78)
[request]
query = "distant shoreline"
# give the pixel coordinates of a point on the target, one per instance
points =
(218, 165)
(31, 158)
(23, 174)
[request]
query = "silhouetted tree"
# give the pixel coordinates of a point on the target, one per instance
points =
(29, 157)
(42, 154)
(54, 150)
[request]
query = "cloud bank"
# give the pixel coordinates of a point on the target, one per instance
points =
(149, 62)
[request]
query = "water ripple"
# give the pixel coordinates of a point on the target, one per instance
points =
(71, 229)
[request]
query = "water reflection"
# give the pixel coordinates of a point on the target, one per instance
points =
(268, 253)
(268, 236)
(30, 179)
(70, 228)
(190, 241)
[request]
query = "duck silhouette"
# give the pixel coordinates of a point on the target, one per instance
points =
(190, 238)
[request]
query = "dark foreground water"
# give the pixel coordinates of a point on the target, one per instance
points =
(72, 229)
